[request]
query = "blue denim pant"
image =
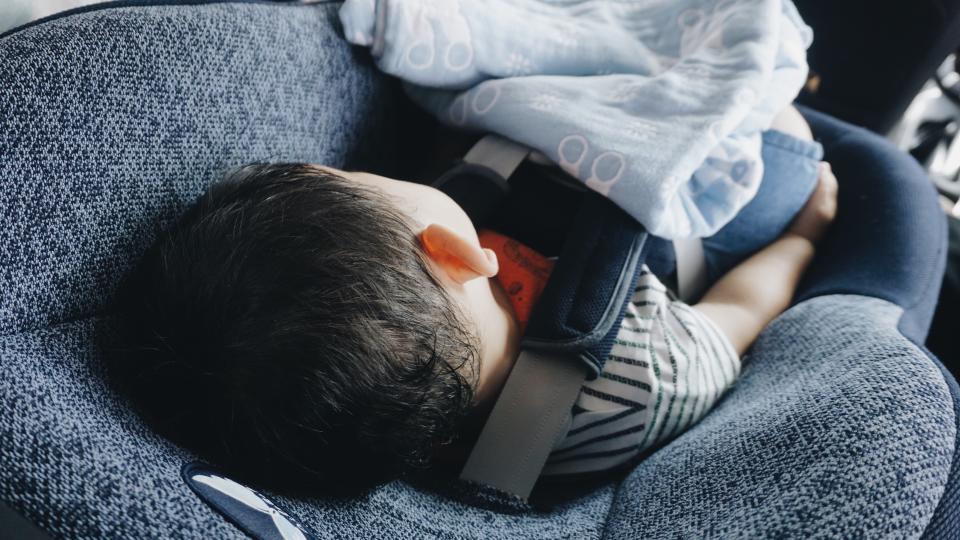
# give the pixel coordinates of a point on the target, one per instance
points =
(789, 177)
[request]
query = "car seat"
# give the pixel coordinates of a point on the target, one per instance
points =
(113, 118)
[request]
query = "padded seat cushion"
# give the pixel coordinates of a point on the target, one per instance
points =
(107, 132)
(837, 427)
(114, 119)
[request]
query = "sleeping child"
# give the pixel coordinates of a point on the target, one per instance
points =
(332, 330)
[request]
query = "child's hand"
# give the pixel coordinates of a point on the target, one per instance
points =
(758, 289)
(817, 215)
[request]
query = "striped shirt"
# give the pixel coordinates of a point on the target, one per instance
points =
(668, 366)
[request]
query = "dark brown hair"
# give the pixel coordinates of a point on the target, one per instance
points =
(289, 329)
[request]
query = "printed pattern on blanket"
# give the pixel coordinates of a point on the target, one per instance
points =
(657, 105)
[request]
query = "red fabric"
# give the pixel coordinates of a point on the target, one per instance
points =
(523, 272)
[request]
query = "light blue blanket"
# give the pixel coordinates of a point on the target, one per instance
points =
(657, 104)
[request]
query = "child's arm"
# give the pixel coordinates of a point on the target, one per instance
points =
(754, 292)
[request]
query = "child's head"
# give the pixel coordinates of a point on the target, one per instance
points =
(310, 329)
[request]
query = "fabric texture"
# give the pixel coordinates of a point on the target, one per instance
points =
(667, 368)
(116, 118)
(79, 462)
(889, 238)
(585, 299)
(820, 437)
(946, 520)
(658, 106)
(127, 175)
(790, 175)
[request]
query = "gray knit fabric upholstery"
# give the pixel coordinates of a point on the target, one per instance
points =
(113, 139)
(113, 120)
(76, 460)
(838, 428)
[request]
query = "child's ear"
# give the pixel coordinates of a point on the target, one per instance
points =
(460, 258)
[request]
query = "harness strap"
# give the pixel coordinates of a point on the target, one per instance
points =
(531, 414)
(533, 409)
(498, 154)
(691, 268)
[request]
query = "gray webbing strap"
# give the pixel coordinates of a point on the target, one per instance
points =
(534, 406)
(691, 268)
(501, 155)
(528, 418)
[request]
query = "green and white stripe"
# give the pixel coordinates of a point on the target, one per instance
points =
(669, 365)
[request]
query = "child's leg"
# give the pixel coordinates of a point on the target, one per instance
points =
(754, 292)
(790, 159)
(791, 122)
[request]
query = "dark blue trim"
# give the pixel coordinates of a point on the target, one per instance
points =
(133, 3)
(584, 300)
(14, 525)
(790, 143)
(602, 252)
(889, 240)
